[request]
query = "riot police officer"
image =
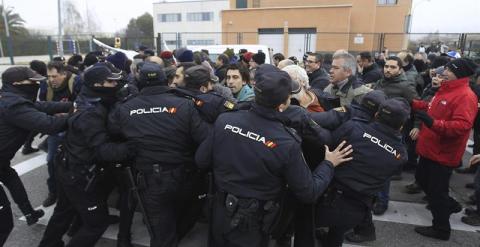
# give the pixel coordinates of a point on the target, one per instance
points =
(255, 156)
(167, 130)
(20, 115)
(87, 152)
(379, 154)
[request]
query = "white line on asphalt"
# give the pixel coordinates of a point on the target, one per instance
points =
(417, 214)
(467, 148)
(30, 164)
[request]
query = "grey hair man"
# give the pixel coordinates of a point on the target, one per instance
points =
(343, 82)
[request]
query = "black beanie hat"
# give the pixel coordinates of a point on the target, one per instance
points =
(462, 67)
(439, 61)
(272, 87)
(259, 58)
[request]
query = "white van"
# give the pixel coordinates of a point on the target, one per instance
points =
(216, 50)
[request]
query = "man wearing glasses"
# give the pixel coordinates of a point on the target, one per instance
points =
(318, 77)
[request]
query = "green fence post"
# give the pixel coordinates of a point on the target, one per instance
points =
(49, 47)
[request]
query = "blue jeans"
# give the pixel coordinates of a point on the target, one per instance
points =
(384, 195)
(53, 142)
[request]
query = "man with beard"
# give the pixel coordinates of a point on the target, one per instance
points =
(87, 152)
(20, 115)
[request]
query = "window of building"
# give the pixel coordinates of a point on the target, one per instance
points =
(387, 2)
(174, 17)
(200, 16)
(201, 42)
(241, 4)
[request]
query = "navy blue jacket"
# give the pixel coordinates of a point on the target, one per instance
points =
(166, 128)
(378, 154)
(254, 155)
(20, 116)
(332, 119)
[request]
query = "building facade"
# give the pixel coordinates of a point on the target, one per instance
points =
(296, 27)
(196, 22)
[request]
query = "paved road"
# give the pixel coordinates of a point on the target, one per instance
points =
(395, 228)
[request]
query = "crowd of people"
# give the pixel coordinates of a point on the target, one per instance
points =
(261, 152)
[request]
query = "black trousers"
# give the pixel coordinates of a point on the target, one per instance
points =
(340, 215)
(9, 177)
(434, 179)
(6, 217)
(168, 196)
(224, 235)
(90, 206)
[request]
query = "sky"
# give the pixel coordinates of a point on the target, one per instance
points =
(446, 16)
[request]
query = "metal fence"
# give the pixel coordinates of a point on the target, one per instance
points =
(288, 43)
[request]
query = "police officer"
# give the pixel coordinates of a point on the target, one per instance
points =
(167, 130)
(19, 115)
(87, 151)
(379, 154)
(199, 87)
(255, 157)
(366, 110)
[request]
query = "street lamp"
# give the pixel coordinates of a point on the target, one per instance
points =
(7, 33)
(60, 31)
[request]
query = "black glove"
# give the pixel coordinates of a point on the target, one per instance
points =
(425, 118)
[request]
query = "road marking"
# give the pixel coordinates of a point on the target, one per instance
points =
(417, 214)
(30, 164)
(467, 148)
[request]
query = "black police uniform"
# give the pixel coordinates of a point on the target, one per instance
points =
(167, 130)
(87, 151)
(209, 105)
(18, 117)
(255, 156)
(379, 153)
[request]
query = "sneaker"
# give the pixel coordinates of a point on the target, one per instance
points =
(428, 231)
(473, 220)
(33, 217)
(379, 208)
(413, 188)
(359, 238)
(50, 200)
(470, 186)
(29, 150)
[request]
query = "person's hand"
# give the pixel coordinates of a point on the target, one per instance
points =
(474, 160)
(425, 118)
(339, 155)
(414, 133)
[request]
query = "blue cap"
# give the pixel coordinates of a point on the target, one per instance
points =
(152, 73)
(394, 112)
(99, 74)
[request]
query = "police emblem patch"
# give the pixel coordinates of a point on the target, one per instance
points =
(229, 105)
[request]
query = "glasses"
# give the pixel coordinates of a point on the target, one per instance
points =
(309, 61)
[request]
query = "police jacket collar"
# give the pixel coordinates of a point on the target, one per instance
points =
(265, 112)
(387, 130)
(152, 90)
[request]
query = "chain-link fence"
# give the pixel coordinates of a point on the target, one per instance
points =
(292, 44)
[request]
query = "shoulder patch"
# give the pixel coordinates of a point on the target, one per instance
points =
(229, 105)
(340, 109)
(294, 134)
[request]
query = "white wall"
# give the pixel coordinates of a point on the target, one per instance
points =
(185, 26)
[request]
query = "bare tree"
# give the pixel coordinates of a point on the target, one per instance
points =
(73, 22)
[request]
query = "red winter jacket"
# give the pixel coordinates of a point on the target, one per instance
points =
(453, 109)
